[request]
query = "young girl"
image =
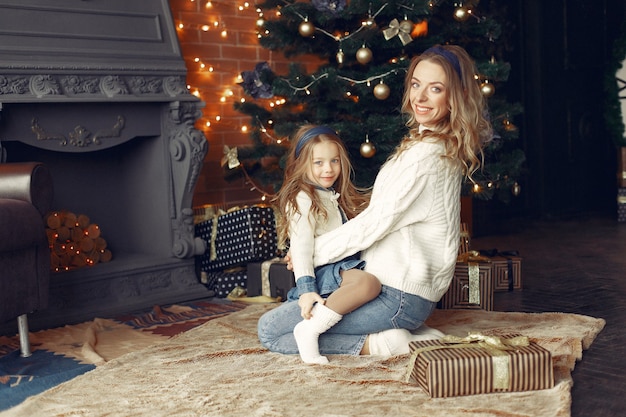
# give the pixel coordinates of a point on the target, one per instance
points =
(317, 196)
(409, 233)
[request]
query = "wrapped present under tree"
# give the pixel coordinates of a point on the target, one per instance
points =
(472, 284)
(479, 364)
(507, 269)
(223, 282)
(238, 236)
(270, 278)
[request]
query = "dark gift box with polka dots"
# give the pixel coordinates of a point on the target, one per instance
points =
(241, 236)
(223, 282)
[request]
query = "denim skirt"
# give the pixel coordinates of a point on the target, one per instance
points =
(328, 277)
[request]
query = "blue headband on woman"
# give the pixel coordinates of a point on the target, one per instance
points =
(449, 56)
(316, 131)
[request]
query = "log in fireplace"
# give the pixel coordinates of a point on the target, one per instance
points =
(96, 90)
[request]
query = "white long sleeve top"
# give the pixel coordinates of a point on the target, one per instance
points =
(305, 227)
(409, 234)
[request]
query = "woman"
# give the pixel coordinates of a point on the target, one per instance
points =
(409, 234)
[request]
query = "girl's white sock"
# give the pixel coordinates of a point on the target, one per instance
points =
(307, 333)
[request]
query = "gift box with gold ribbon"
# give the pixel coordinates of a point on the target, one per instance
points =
(270, 278)
(223, 282)
(479, 364)
(507, 269)
(238, 236)
(472, 284)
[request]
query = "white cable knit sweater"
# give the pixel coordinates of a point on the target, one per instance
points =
(409, 234)
(304, 228)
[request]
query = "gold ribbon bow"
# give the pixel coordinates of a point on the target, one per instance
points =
(496, 346)
(402, 29)
(472, 256)
(231, 157)
(492, 341)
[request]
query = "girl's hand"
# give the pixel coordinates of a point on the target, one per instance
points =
(306, 302)
(287, 259)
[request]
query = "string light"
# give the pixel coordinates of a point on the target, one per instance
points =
(346, 35)
(215, 22)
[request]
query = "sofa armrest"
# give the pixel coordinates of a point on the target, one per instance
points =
(27, 181)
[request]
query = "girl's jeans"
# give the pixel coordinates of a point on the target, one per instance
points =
(391, 309)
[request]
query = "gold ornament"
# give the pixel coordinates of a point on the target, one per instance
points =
(381, 91)
(364, 55)
(340, 56)
(367, 148)
(402, 29)
(516, 190)
(306, 29)
(461, 14)
(487, 89)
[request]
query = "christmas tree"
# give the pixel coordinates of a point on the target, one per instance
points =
(365, 47)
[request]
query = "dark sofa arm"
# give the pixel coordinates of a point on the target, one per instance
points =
(27, 181)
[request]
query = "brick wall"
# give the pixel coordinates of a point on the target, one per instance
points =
(227, 55)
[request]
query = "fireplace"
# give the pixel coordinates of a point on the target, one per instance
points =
(96, 90)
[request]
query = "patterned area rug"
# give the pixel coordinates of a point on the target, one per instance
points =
(220, 369)
(63, 353)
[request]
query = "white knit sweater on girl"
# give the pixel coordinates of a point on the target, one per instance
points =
(409, 234)
(304, 227)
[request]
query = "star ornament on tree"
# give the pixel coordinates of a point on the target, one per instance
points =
(252, 83)
(230, 157)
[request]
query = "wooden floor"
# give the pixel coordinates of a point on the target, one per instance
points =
(576, 266)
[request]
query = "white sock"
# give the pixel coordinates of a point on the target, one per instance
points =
(426, 333)
(396, 341)
(307, 333)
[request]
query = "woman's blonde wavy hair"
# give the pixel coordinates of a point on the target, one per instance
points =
(352, 199)
(466, 130)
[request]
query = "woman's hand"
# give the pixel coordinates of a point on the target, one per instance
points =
(306, 302)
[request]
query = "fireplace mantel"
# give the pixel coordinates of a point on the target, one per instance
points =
(96, 90)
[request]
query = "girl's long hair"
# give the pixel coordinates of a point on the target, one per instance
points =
(466, 130)
(352, 199)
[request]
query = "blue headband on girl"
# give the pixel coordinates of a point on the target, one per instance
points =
(316, 131)
(449, 56)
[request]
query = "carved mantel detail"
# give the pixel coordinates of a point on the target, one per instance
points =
(187, 147)
(80, 136)
(74, 86)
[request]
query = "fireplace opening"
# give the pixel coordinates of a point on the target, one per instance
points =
(118, 188)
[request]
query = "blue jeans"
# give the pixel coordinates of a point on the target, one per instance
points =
(391, 309)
